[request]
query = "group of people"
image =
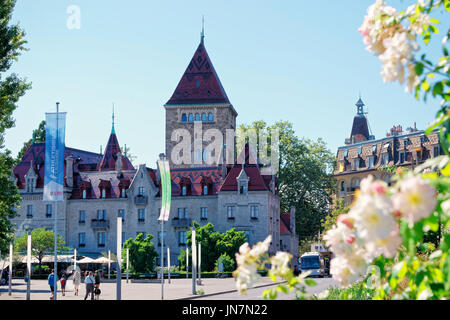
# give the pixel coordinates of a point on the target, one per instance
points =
(91, 280)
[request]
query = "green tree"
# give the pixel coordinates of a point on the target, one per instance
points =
(37, 136)
(213, 243)
(305, 176)
(42, 242)
(339, 208)
(229, 264)
(142, 254)
(12, 43)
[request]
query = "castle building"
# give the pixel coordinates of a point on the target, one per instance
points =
(98, 188)
(363, 155)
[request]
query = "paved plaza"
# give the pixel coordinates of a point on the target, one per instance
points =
(178, 289)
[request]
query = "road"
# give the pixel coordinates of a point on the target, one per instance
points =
(256, 293)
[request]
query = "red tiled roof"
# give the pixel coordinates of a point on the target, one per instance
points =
(108, 162)
(199, 83)
(285, 222)
(36, 153)
(256, 182)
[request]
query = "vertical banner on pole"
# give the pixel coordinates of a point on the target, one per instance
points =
(119, 258)
(194, 261)
(28, 265)
(10, 268)
(166, 190)
(55, 130)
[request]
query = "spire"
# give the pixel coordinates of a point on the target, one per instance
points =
(112, 130)
(360, 104)
(202, 35)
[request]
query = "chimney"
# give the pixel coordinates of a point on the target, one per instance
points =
(119, 163)
(292, 220)
(69, 171)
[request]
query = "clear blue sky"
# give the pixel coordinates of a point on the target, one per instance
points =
(301, 61)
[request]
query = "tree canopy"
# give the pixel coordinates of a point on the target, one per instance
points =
(12, 87)
(304, 177)
(214, 244)
(142, 253)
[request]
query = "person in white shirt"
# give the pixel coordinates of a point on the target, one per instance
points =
(89, 281)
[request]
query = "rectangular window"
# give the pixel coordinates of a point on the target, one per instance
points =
(436, 151)
(385, 159)
(230, 212)
(123, 193)
(159, 238)
(101, 215)
(183, 190)
(81, 239)
(254, 212)
(84, 194)
(371, 161)
(203, 213)
(183, 213)
(48, 210)
(182, 238)
(29, 211)
(123, 238)
(101, 239)
(205, 190)
(82, 216)
(141, 191)
(141, 215)
(356, 164)
(243, 188)
(103, 193)
(402, 157)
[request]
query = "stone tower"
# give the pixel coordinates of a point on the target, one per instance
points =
(199, 99)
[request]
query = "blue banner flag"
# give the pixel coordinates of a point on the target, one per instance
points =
(55, 129)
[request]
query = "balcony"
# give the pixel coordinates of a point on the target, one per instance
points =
(99, 224)
(183, 222)
(140, 199)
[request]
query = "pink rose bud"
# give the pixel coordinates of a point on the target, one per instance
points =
(350, 239)
(397, 214)
(346, 220)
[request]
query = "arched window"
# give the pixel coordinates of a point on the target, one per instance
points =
(183, 117)
(210, 117)
(197, 117)
(342, 186)
(203, 117)
(191, 117)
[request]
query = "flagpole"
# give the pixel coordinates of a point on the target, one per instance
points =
(10, 267)
(55, 278)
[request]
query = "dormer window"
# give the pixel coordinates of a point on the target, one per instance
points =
(84, 194)
(141, 191)
(183, 190)
(30, 184)
(123, 193)
(385, 159)
(103, 193)
(371, 161)
(205, 190)
(356, 164)
(243, 188)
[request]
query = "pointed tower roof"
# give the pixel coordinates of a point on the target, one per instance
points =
(108, 162)
(360, 128)
(199, 83)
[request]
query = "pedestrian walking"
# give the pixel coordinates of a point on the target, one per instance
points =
(89, 281)
(64, 277)
(76, 281)
(97, 284)
(51, 283)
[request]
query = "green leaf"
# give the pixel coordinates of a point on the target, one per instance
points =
(419, 68)
(425, 85)
(438, 88)
(310, 282)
